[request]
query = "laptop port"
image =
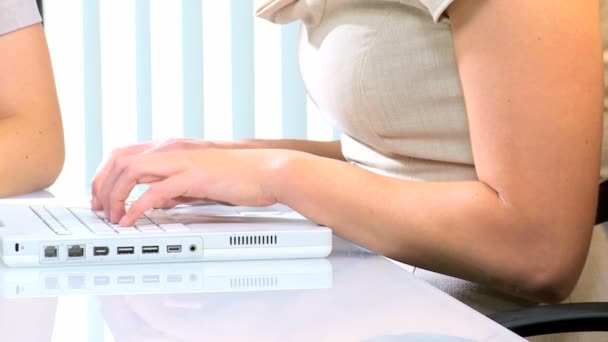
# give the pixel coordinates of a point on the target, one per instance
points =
(100, 250)
(75, 251)
(50, 252)
(174, 249)
(125, 250)
(76, 282)
(150, 249)
(101, 280)
(149, 279)
(125, 279)
(192, 248)
(174, 278)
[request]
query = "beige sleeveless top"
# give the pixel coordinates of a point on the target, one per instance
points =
(16, 14)
(385, 74)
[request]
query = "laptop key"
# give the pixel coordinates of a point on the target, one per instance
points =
(67, 219)
(128, 231)
(56, 226)
(174, 227)
(143, 221)
(152, 228)
(125, 230)
(146, 226)
(105, 232)
(99, 226)
(85, 214)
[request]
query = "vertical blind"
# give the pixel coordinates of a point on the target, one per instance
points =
(129, 71)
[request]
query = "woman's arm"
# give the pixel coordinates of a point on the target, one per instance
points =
(327, 149)
(31, 134)
(532, 78)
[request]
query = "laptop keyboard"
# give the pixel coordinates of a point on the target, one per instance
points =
(76, 220)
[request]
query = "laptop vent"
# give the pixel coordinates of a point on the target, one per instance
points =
(253, 240)
(253, 282)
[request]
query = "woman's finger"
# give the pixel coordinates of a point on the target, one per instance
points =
(130, 171)
(104, 169)
(118, 167)
(158, 194)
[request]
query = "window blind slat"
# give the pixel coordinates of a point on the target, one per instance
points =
(143, 70)
(192, 59)
(337, 134)
(293, 92)
(243, 88)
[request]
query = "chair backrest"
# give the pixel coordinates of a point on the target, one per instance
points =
(601, 214)
(40, 9)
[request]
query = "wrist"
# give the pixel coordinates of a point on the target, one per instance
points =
(283, 172)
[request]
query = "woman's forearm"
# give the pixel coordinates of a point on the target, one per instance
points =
(467, 231)
(327, 149)
(32, 155)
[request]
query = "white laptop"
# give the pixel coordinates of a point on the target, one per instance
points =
(167, 278)
(51, 235)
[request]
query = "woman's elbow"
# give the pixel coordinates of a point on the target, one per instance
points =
(51, 164)
(35, 166)
(554, 268)
(551, 288)
(54, 165)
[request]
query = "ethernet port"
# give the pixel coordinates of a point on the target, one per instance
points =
(75, 251)
(50, 252)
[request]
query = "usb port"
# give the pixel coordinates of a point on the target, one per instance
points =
(174, 249)
(149, 249)
(125, 250)
(102, 250)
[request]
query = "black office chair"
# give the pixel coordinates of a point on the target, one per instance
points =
(561, 318)
(554, 319)
(40, 9)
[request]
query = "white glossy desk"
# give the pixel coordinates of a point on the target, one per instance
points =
(353, 295)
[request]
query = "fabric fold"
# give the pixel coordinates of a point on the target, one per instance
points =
(310, 12)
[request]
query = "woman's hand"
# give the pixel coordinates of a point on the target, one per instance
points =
(148, 147)
(240, 177)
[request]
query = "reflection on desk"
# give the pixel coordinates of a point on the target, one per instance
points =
(207, 277)
(353, 295)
